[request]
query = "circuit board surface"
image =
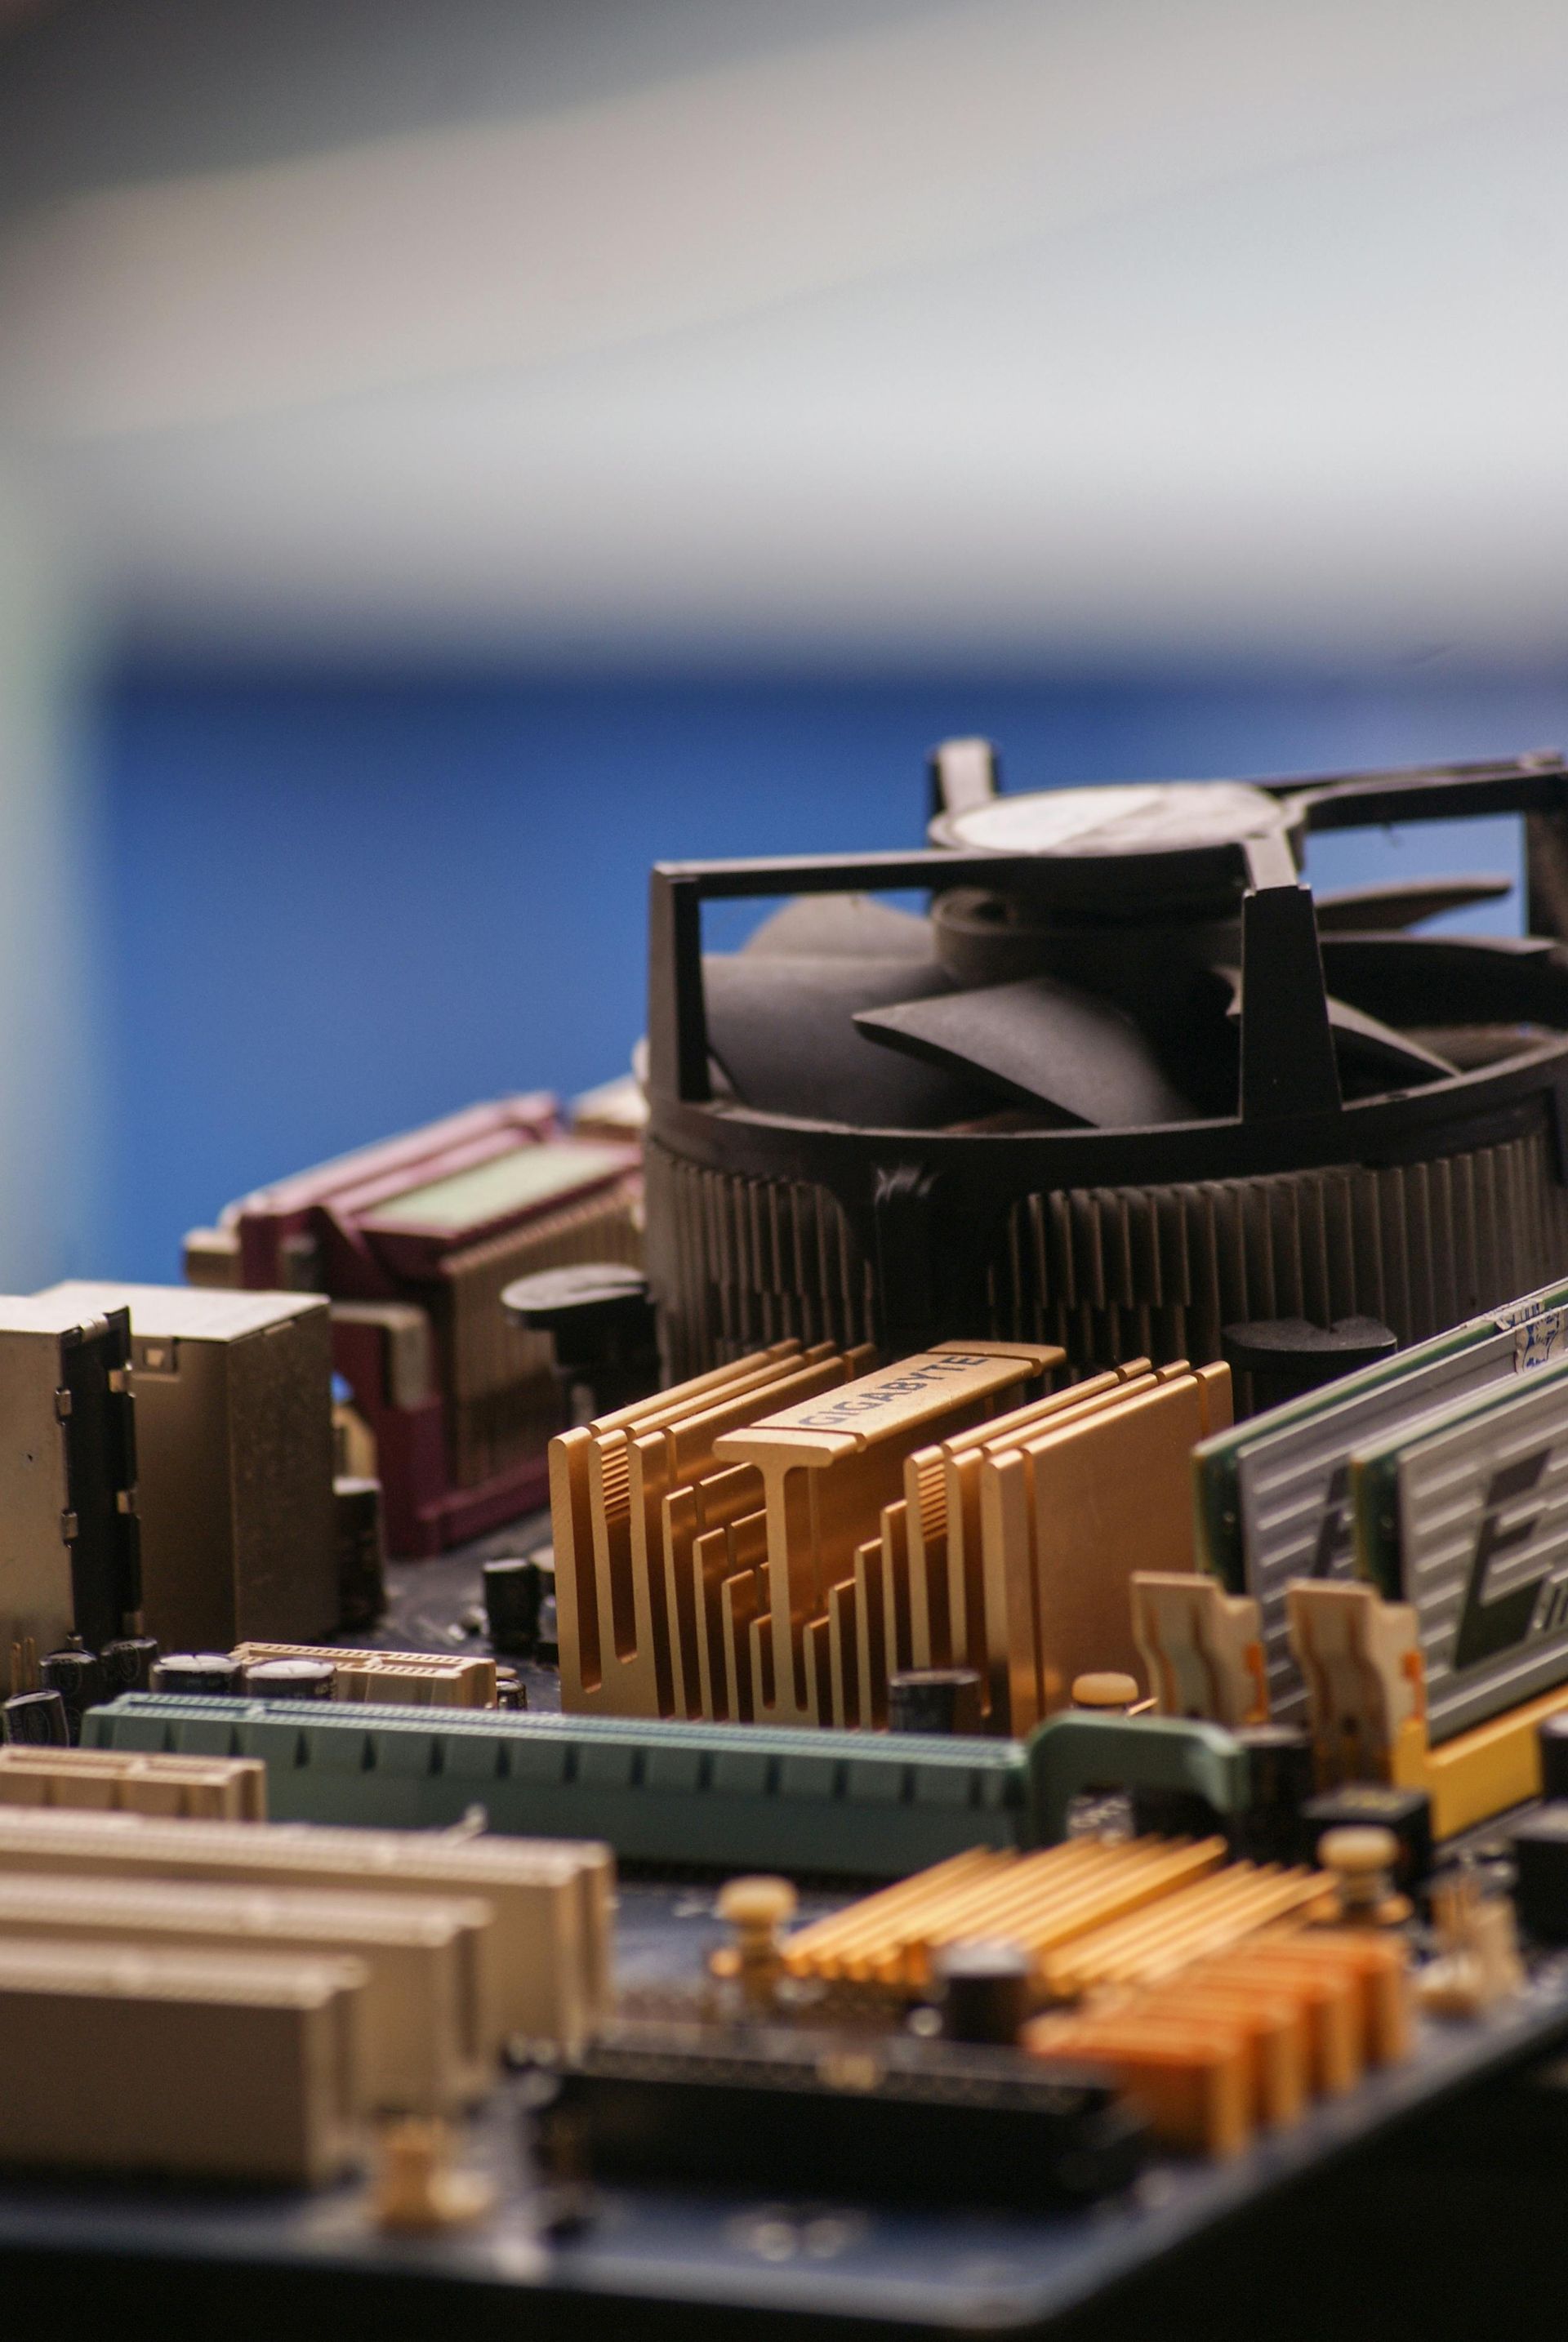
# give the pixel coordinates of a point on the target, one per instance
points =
(640, 2249)
(623, 2258)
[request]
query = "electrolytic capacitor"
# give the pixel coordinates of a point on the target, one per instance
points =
(75, 1674)
(602, 1321)
(36, 1717)
(1554, 1743)
(128, 1664)
(986, 1988)
(547, 1642)
(361, 1543)
(212, 1673)
(933, 1699)
(514, 1591)
(290, 1678)
(1407, 1814)
(1280, 1780)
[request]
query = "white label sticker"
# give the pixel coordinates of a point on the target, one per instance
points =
(1540, 1340)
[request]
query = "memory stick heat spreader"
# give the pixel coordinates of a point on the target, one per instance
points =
(1274, 1497)
(1464, 1513)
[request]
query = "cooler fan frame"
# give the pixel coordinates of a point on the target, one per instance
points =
(927, 1214)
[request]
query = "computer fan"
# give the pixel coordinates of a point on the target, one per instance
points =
(1123, 1084)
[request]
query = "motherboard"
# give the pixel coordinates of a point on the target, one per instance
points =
(908, 1675)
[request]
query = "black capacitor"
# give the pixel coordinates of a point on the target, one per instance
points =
(128, 1664)
(359, 1540)
(514, 1591)
(290, 1679)
(601, 1320)
(1540, 1844)
(1288, 1356)
(547, 1641)
(37, 1718)
(986, 1991)
(511, 1691)
(1281, 1779)
(1554, 1740)
(212, 1673)
(75, 1674)
(933, 1699)
(1360, 1805)
(1172, 1813)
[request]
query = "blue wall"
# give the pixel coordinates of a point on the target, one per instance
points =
(339, 906)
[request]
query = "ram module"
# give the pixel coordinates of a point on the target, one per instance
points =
(1272, 1494)
(1464, 1513)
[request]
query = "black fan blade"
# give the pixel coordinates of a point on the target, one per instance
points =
(1041, 1039)
(1438, 980)
(779, 1026)
(841, 926)
(1364, 1043)
(1370, 1046)
(1390, 910)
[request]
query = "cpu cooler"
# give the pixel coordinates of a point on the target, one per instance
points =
(1122, 1084)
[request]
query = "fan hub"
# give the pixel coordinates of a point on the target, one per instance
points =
(1117, 820)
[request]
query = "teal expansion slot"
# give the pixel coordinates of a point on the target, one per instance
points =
(731, 1797)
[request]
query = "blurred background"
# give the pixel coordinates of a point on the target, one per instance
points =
(453, 452)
